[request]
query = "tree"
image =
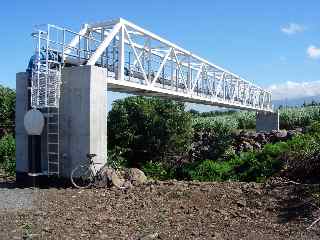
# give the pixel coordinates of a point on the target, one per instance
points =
(147, 129)
(7, 109)
(194, 112)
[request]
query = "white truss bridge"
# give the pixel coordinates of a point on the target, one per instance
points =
(140, 62)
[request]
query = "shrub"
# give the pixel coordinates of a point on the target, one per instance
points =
(210, 170)
(314, 128)
(248, 166)
(246, 120)
(149, 129)
(212, 138)
(7, 110)
(115, 158)
(302, 161)
(157, 171)
(258, 166)
(7, 154)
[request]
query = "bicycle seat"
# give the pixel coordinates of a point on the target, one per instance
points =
(91, 155)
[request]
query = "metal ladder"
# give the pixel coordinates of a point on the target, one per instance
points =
(53, 148)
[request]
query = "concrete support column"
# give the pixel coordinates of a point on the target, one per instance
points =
(267, 121)
(83, 116)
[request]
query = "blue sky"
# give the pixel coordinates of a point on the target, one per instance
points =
(276, 44)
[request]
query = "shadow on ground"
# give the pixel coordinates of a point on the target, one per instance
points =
(300, 205)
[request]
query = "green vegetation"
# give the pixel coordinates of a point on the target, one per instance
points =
(7, 141)
(158, 171)
(248, 166)
(298, 117)
(7, 154)
(297, 159)
(166, 142)
(144, 129)
(290, 118)
(232, 120)
(7, 110)
(214, 134)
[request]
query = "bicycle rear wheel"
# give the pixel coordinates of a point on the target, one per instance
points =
(82, 176)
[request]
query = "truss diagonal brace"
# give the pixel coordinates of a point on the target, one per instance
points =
(136, 55)
(194, 83)
(161, 66)
(93, 59)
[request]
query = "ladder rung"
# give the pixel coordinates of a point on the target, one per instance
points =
(52, 123)
(53, 162)
(53, 153)
(53, 133)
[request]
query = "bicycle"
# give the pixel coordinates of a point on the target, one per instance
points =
(85, 175)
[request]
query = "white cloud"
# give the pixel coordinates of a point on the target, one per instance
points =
(292, 90)
(313, 52)
(292, 28)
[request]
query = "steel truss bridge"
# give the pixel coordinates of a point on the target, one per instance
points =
(137, 61)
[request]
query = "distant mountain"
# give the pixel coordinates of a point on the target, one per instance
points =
(295, 101)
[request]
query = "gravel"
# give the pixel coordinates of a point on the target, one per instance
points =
(162, 210)
(16, 198)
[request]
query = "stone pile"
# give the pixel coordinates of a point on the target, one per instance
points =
(246, 141)
(123, 179)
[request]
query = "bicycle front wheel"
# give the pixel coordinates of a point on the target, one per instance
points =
(82, 176)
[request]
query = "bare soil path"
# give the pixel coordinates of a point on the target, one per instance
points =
(162, 210)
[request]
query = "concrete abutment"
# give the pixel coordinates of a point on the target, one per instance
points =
(267, 121)
(82, 120)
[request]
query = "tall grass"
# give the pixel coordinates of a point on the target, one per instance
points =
(237, 120)
(290, 118)
(298, 117)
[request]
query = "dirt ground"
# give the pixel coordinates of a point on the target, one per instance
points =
(166, 210)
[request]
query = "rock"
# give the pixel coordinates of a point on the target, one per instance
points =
(136, 176)
(261, 137)
(241, 203)
(253, 135)
(127, 185)
(106, 173)
(293, 133)
(150, 236)
(257, 191)
(257, 145)
(281, 135)
(110, 175)
(217, 236)
(116, 180)
(247, 146)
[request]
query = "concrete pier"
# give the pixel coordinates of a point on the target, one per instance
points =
(83, 116)
(82, 120)
(267, 121)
